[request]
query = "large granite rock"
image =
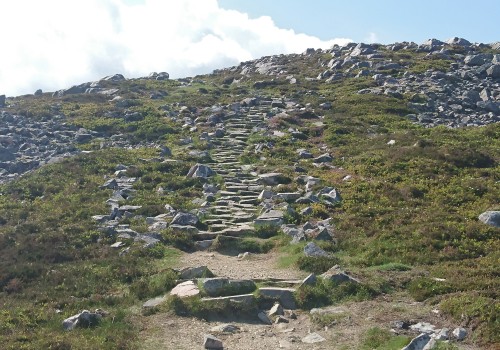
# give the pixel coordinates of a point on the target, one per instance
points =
(185, 219)
(273, 179)
(491, 218)
(200, 170)
(84, 319)
(312, 250)
(418, 343)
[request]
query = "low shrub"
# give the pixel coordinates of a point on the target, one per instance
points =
(316, 265)
(377, 338)
(325, 293)
(152, 286)
(423, 288)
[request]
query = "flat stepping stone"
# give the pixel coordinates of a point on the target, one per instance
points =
(203, 245)
(185, 289)
(249, 201)
(213, 221)
(237, 231)
(217, 228)
(220, 286)
(204, 235)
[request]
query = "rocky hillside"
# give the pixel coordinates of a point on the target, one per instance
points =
(344, 198)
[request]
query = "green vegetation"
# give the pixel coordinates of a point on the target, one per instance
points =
(325, 292)
(407, 222)
(316, 265)
(193, 306)
(377, 338)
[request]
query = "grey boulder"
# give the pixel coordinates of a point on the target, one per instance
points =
(311, 249)
(491, 218)
(418, 343)
(200, 170)
(185, 219)
(211, 342)
(85, 319)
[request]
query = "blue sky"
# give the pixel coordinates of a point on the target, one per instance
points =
(388, 20)
(54, 44)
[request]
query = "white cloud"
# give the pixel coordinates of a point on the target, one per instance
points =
(53, 44)
(371, 38)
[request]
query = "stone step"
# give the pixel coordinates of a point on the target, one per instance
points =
(217, 227)
(204, 235)
(250, 193)
(237, 299)
(203, 244)
(249, 201)
(213, 221)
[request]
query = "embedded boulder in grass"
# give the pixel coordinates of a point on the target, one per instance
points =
(491, 218)
(337, 276)
(200, 170)
(185, 219)
(419, 342)
(324, 158)
(311, 249)
(220, 286)
(313, 338)
(273, 179)
(196, 272)
(85, 319)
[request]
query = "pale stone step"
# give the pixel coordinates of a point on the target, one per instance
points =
(239, 299)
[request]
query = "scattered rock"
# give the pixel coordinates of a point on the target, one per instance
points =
(195, 272)
(85, 319)
(324, 158)
(418, 343)
(225, 328)
(313, 338)
(212, 343)
(423, 327)
(311, 249)
(459, 333)
(264, 318)
(276, 310)
(200, 170)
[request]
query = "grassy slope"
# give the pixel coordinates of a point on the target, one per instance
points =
(415, 203)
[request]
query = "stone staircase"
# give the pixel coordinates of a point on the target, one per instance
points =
(236, 205)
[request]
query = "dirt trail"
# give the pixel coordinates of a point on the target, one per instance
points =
(256, 266)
